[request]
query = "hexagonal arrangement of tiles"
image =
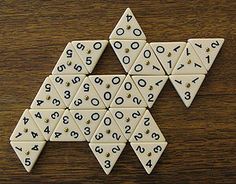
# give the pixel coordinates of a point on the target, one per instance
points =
(109, 110)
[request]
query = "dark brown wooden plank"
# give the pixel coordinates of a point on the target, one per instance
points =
(201, 139)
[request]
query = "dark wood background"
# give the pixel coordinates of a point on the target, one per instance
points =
(202, 139)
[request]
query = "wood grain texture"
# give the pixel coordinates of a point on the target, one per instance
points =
(202, 139)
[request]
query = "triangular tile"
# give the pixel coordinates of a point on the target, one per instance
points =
(147, 130)
(46, 119)
(88, 120)
(149, 153)
(28, 152)
(90, 51)
(189, 63)
(128, 95)
(107, 154)
(187, 86)
(127, 119)
(69, 63)
(87, 97)
(67, 130)
(147, 63)
(26, 129)
(150, 87)
(107, 86)
(127, 51)
(67, 86)
(207, 49)
(127, 28)
(47, 97)
(168, 53)
(108, 131)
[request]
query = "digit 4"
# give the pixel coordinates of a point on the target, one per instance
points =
(69, 63)
(67, 130)
(67, 86)
(187, 86)
(28, 152)
(107, 154)
(149, 153)
(147, 63)
(46, 119)
(150, 87)
(147, 130)
(47, 97)
(26, 129)
(207, 49)
(127, 28)
(90, 51)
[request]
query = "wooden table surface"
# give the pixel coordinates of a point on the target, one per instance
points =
(202, 139)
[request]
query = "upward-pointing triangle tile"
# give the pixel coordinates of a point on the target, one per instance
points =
(189, 63)
(168, 53)
(127, 51)
(67, 130)
(28, 152)
(127, 28)
(26, 129)
(207, 49)
(128, 95)
(47, 97)
(150, 87)
(87, 97)
(107, 154)
(147, 130)
(187, 86)
(147, 63)
(149, 153)
(69, 62)
(108, 131)
(46, 119)
(107, 86)
(67, 86)
(90, 51)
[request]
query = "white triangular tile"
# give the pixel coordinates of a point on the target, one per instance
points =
(90, 51)
(147, 63)
(168, 53)
(69, 63)
(187, 86)
(28, 152)
(87, 97)
(189, 63)
(150, 87)
(88, 120)
(46, 119)
(128, 95)
(67, 86)
(149, 153)
(127, 119)
(26, 129)
(47, 97)
(127, 28)
(127, 51)
(107, 154)
(207, 49)
(147, 130)
(67, 129)
(108, 131)
(107, 86)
